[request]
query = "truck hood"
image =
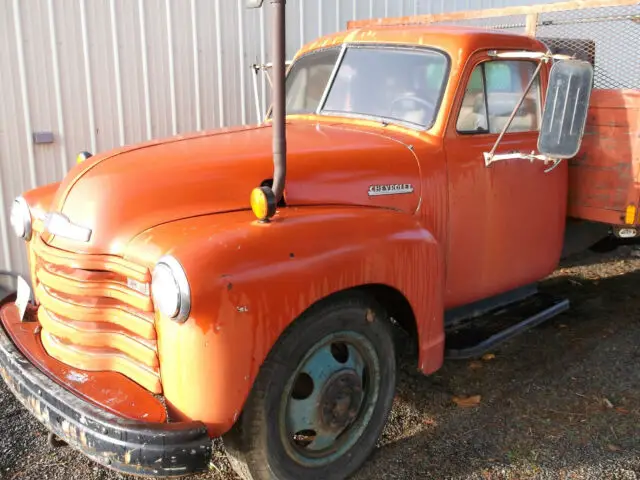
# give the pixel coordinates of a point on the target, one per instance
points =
(124, 192)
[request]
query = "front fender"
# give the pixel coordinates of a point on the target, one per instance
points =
(40, 199)
(250, 280)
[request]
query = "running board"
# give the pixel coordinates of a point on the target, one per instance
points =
(477, 336)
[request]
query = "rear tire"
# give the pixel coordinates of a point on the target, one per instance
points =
(321, 398)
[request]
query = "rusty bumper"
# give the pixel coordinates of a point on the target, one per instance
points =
(128, 446)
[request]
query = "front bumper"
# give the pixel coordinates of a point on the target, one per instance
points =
(125, 445)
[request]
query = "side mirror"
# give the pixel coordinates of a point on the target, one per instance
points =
(565, 109)
(254, 3)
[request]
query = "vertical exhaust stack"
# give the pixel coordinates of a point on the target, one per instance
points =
(264, 200)
(279, 107)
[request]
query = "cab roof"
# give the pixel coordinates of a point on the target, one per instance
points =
(455, 40)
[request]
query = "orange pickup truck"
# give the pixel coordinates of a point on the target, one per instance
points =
(247, 282)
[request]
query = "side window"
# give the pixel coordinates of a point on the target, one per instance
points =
(473, 114)
(499, 78)
(501, 86)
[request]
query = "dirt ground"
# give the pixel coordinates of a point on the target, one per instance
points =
(559, 402)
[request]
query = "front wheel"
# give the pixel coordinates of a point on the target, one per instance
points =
(321, 398)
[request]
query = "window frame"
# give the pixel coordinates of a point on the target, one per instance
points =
(481, 63)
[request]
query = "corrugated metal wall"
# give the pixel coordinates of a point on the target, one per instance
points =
(103, 73)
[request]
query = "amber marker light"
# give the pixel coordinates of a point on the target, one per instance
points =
(263, 203)
(630, 216)
(82, 156)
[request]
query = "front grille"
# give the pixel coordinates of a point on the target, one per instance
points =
(90, 318)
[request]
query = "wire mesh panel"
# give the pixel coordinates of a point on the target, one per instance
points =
(608, 36)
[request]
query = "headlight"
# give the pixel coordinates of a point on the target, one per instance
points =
(21, 218)
(170, 289)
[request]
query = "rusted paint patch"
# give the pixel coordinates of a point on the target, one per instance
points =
(603, 176)
(77, 377)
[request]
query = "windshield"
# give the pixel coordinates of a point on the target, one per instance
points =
(391, 84)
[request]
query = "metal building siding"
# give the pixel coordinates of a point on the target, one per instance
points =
(101, 73)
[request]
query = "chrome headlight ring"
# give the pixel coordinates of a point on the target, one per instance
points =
(170, 289)
(21, 219)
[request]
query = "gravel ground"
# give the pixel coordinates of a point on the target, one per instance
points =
(560, 402)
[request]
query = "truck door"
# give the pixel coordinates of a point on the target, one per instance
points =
(506, 220)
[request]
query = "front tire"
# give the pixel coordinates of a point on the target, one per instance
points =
(321, 398)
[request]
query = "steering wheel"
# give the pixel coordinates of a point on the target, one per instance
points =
(411, 97)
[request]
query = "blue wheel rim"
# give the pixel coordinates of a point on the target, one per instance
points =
(329, 399)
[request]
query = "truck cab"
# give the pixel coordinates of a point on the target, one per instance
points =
(174, 300)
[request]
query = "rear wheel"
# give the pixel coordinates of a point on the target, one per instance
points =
(321, 398)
